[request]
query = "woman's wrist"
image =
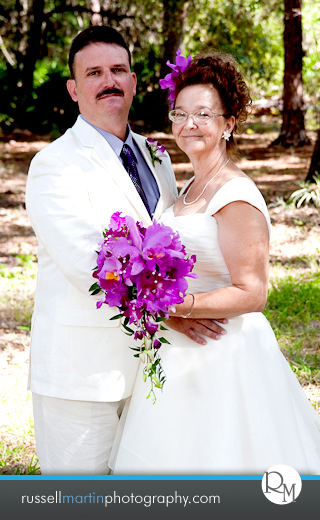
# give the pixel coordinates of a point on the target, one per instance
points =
(188, 314)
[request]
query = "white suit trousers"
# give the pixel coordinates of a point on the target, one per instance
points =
(74, 437)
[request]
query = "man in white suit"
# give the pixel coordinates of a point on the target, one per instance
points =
(81, 368)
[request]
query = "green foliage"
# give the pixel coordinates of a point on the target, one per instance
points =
(293, 310)
(28, 261)
(308, 192)
(47, 67)
(4, 272)
(305, 366)
(27, 266)
(293, 302)
(12, 461)
(145, 66)
(17, 291)
(250, 30)
(311, 45)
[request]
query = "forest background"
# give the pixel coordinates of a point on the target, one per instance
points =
(276, 43)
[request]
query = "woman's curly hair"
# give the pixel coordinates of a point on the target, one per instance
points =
(221, 71)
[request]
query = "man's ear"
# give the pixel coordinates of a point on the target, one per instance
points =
(72, 89)
(134, 78)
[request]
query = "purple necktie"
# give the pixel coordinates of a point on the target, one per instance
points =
(130, 164)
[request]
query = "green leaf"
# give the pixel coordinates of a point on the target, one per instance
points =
(94, 286)
(117, 317)
(163, 328)
(96, 292)
(164, 340)
(128, 329)
(22, 327)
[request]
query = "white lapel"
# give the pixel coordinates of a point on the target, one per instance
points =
(102, 153)
(141, 143)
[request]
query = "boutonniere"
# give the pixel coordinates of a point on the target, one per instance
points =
(155, 150)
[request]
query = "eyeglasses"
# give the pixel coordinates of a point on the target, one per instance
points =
(200, 117)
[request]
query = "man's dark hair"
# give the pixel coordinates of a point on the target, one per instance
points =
(95, 34)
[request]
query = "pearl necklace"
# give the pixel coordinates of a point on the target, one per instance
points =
(195, 200)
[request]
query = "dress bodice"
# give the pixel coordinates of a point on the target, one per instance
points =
(199, 233)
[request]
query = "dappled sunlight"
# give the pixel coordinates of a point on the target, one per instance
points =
(294, 251)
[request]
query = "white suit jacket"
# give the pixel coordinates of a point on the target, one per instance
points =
(73, 187)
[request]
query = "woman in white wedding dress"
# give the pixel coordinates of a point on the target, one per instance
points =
(231, 406)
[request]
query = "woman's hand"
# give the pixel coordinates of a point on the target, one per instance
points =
(191, 328)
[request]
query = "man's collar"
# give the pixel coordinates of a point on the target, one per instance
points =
(114, 141)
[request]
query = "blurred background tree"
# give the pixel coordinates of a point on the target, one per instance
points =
(293, 131)
(314, 169)
(35, 36)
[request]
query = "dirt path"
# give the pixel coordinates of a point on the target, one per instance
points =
(276, 173)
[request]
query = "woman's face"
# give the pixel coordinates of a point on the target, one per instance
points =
(194, 138)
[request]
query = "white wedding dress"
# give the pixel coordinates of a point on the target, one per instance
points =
(232, 406)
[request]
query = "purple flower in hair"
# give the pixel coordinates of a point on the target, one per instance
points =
(169, 81)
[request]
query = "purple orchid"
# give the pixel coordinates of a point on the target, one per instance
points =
(143, 272)
(169, 81)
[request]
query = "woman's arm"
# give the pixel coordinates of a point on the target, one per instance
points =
(244, 242)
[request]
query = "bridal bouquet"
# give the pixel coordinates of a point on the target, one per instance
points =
(142, 271)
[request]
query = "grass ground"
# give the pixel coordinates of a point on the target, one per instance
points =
(17, 447)
(293, 310)
(294, 297)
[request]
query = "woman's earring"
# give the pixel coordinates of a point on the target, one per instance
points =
(226, 135)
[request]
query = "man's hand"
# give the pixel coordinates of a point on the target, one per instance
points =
(190, 327)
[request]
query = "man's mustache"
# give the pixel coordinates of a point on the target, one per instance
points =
(107, 91)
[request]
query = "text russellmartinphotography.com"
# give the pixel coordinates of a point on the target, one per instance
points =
(115, 498)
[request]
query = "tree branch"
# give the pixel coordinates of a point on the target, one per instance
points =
(6, 54)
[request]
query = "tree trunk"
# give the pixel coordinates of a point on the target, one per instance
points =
(315, 161)
(174, 13)
(32, 53)
(173, 30)
(293, 131)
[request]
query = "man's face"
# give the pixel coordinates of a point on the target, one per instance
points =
(104, 85)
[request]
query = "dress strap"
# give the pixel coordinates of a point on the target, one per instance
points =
(239, 189)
